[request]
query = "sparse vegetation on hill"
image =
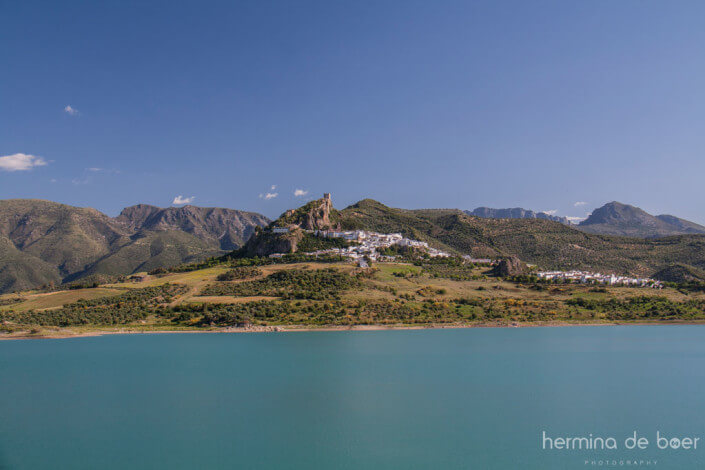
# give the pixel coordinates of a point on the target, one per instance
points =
(642, 307)
(239, 273)
(548, 244)
(133, 305)
(319, 284)
(310, 243)
(680, 273)
(427, 292)
(53, 244)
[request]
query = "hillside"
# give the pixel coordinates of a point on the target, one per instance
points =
(615, 218)
(244, 293)
(43, 242)
(226, 228)
(681, 273)
(549, 244)
(268, 295)
(20, 271)
(514, 213)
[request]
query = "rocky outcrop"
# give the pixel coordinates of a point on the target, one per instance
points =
(315, 215)
(318, 218)
(284, 234)
(511, 266)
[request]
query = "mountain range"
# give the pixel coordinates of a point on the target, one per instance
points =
(43, 242)
(614, 218)
(515, 213)
(545, 243)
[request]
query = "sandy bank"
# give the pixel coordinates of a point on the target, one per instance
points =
(69, 333)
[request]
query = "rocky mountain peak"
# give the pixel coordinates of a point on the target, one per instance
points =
(315, 215)
(616, 218)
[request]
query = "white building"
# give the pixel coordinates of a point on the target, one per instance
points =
(585, 277)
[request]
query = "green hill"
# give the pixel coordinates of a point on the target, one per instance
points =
(43, 242)
(546, 243)
(681, 273)
(20, 271)
(551, 245)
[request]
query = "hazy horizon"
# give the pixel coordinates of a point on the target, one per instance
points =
(573, 220)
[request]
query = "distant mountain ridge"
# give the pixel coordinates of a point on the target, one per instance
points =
(43, 242)
(229, 227)
(615, 218)
(514, 213)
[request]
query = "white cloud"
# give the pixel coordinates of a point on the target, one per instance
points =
(579, 203)
(268, 196)
(273, 187)
(71, 110)
(300, 192)
(20, 162)
(551, 212)
(178, 200)
(575, 219)
(107, 171)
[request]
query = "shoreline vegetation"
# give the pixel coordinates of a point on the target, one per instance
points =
(68, 333)
(299, 294)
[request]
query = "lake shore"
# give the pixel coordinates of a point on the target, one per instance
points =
(64, 333)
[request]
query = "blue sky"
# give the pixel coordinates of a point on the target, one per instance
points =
(417, 104)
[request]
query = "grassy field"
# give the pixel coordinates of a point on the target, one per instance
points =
(390, 294)
(49, 300)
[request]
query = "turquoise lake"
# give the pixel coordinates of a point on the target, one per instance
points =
(414, 399)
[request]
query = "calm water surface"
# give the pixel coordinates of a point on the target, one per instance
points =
(425, 399)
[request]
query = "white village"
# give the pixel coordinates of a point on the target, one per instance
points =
(365, 245)
(586, 277)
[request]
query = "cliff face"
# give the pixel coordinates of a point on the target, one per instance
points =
(318, 217)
